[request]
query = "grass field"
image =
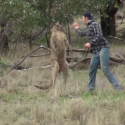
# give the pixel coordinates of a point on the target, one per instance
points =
(23, 104)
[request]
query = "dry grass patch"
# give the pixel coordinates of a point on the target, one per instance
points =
(23, 104)
(121, 112)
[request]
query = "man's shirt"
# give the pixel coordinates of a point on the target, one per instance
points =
(94, 33)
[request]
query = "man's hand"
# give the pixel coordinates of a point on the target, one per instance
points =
(87, 45)
(75, 25)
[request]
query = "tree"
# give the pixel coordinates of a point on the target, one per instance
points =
(107, 9)
(108, 17)
(21, 17)
(64, 10)
(16, 16)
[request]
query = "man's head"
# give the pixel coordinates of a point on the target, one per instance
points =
(87, 16)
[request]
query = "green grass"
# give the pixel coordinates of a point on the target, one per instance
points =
(23, 104)
(102, 96)
(21, 96)
(12, 97)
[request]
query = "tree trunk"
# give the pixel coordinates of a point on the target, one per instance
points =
(105, 26)
(108, 26)
(108, 20)
(30, 43)
(47, 40)
(112, 26)
(4, 47)
(68, 33)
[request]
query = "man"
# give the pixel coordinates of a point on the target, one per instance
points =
(99, 47)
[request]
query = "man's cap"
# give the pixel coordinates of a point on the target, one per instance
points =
(88, 14)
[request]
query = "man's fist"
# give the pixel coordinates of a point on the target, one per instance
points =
(75, 25)
(87, 45)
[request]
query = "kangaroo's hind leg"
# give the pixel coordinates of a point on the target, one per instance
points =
(55, 70)
(65, 74)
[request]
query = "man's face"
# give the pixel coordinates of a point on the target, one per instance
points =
(84, 19)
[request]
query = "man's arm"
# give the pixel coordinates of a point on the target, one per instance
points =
(81, 32)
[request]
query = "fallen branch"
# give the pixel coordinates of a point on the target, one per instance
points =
(122, 54)
(76, 59)
(87, 60)
(18, 67)
(121, 30)
(42, 67)
(29, 68)
(116, 60)
(36, 50)
(116, 38)
(39, 55)
(122, 61)
(75, 50)
(83, 60)
(26, 57)
(78, 50)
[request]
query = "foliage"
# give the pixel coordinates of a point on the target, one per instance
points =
(57, 10)
(19, 13)
(3, 67)
(26, 15)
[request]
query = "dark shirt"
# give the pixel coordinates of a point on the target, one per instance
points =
(94, 33)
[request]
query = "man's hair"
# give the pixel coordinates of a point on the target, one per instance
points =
(88, 14)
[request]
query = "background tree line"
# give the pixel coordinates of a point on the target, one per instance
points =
(30, 20)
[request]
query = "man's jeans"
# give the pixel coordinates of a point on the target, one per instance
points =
(101, 58)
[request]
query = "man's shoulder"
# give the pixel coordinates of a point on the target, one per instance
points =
(94, 23)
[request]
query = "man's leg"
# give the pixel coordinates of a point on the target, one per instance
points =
(104, 61)
(93, 70)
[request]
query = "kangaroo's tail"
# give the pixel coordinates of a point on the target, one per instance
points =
(44, 87)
